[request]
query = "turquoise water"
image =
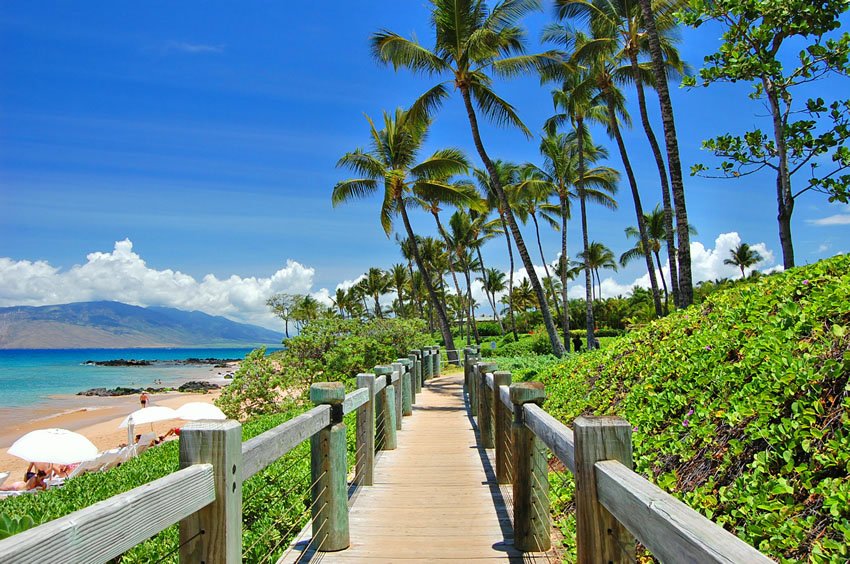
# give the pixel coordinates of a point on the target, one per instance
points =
(28, 377)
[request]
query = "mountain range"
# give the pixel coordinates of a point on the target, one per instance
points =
(117, 325)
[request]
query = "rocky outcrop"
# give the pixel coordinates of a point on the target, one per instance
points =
(196, 386)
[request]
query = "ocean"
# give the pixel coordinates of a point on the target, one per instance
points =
(30, 377)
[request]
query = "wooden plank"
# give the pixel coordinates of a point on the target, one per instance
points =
(505, 397)
(218, 443)
(380, 384)
(489, 381)
(502, 416)
(365, 433)
(354, 400)
(106, 529)
(599, 536)
(267, 447)
(554, 434)
(669, 528)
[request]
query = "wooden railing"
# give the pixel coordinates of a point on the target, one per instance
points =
(205, 495)
(613, 505)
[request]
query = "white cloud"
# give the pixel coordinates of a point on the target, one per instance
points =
(122, 275)
(190, 48)
(837, 219)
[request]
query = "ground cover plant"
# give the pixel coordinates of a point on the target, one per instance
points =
(739, 406)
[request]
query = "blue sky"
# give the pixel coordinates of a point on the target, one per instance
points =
(206, 134)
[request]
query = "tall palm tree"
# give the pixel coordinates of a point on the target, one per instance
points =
(580, 107)
(619, 25)
(392, 162)
(473, 40)
(406, 247)
(598, 256)
(599, 58)
(340, 300)
(375, 284)
(494, 283)
(671, 141)
(508, 173)
(560, 174)
(743, 256)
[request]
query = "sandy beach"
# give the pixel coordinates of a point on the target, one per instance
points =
(94, 417)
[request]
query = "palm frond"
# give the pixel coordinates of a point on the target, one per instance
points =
(428, 103)
(496, 109)
(389, 47)
(352, 189)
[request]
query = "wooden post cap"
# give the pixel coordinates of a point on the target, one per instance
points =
(487, 367)
(332, 393)
(383, 370)
(405, 361)
(415, 352)
(501, 378)
(586, 421)
(528, 392)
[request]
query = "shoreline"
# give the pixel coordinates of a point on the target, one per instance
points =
(95, 417)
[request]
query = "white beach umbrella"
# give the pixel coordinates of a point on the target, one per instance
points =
(148, 415)
(56, 446)
(200, 411)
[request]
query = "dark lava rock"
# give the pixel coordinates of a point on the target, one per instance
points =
(119, 391)
(198, 387)
(119, 362)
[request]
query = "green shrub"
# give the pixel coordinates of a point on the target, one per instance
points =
(741, 407)
(488, 329)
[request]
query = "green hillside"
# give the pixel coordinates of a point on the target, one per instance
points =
(739, 407)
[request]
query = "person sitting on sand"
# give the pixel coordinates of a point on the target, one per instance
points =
(37, 467)
(174, 431)
(34, 483)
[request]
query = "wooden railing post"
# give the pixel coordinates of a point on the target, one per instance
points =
(413, 377)
(398, 370)
(438, 361)
(364, 467)
(502, 428)
(485, 405)
(531, 481)
(214, 534)
(329, 493)
(426, 365)
(406, 387)
(599, 536)
(385, 432)
(417, 374)
(474, 392)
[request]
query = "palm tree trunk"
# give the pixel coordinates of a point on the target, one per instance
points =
(588, 278)
(564, 267)
(641, 220)
(471, 308)
(686, 287)
(378, 311)
(670, 235)
(452, 269)
(510, 276)
(784, 197)
(663, 282)
(442, 318)
(557, 347)
(545, 265)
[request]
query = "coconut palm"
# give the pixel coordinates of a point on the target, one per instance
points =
(392, 163)
(598, 57)
(509, 174)
(598, 256)
(399, 282)
(375, 284)
(743, 256)
(560, 173)
(620, 23)
(340, 300)
(473, 40)
(656, 51)
(481, 230)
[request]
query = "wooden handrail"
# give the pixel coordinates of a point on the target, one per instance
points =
(109, 528)
(554, 434)
(665, 525)
(354, 400)
(266, 448)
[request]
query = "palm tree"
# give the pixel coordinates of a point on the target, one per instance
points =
(560, 174)
(481, 230)
(399, 282)
(686, 288)
(620, 23)
(493, 283)
(340, 300)
(598, 256)
(472, 40)
(599, 60)
(392, 161)
(375, 284)
(508, 174)
(743, 256)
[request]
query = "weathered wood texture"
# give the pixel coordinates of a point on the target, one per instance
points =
(532, 523)
(599, 536)
(473, 390)
(485, 408)
(671, 530)
(218, 443)
(502, 416)
(432, 499)
(329, 494)
(364, 465)
(267, 447)
(354, 400)
(398, 384)
(104, 530)
(554, 434)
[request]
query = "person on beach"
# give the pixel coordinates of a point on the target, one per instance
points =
(144, 399)
(36, 467)
(34, 483)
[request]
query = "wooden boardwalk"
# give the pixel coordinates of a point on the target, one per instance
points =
(435, 497)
